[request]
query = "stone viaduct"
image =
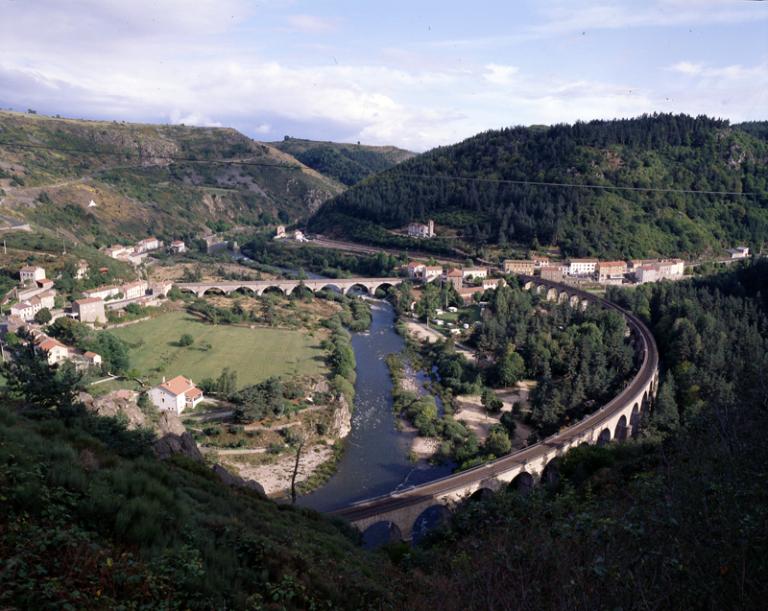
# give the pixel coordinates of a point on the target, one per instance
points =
(401, 511)
(258, 287)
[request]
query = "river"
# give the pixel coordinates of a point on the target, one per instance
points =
(375, 459)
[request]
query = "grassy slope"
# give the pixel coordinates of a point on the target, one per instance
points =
(83, 525)
(347, 163)
(126, 169)
(255, 354)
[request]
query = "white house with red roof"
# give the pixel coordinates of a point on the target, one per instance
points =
(176, 395)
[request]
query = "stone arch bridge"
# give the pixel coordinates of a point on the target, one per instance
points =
(258, 287)
(400, 511)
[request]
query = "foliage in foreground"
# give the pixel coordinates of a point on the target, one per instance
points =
(86, 523)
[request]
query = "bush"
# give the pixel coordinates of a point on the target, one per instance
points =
(186, 340)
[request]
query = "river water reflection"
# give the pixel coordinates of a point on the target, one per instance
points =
(375, 459)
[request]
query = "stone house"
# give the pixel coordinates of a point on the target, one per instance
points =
(90, 309)
(176, 395)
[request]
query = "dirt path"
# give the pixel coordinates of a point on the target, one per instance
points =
(423, 333)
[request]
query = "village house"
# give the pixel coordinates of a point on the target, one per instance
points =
(31, 273)
(177, 247)
(134, 290)
(740, 252)
(432, 272)
(92, 359)
(26, 310)
(540, 261)
(553, 273)
(299, 236)
(90, 309)
(148, 245)
(116, 251)
(493, 283)
(42, 286)
(419, 230)
(55, 352)
(519, 266)
(103, 292)
(81, 271)
(280, 232)
(582, 267)
(176, 395)
(611, 271)
(474, 272)
(160, 288)
(415, 270)
(467, 293)
(454, 277)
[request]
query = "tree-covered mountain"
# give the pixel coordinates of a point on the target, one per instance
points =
(487, 189)
(347, 163)
(164, 179)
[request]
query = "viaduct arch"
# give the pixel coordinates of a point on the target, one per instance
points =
(258, 287)
(403, 510)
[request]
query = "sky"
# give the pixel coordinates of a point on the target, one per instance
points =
(415, 74)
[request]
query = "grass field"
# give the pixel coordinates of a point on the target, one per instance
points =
(255, 354)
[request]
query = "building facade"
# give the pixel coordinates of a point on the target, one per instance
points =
(90, 309)
(519, 266)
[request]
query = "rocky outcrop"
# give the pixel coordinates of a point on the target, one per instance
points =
(171, 444)
(117, 403)
(230, 479)
(170, 423)
(341, 420)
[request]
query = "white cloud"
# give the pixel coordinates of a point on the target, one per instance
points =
(500, 75)
(686, 68)
(312, 24)
(262, 128)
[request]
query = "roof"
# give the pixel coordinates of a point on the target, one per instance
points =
(415, 264)
(454, 273)
(90, 355)
(149, 239)
(584, 261)
(193, 393)
(612, 263)
(49, 344)
(31, 268)
(178, 385)
(88, 300)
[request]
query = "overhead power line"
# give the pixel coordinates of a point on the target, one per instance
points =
(397, 173)
(570, 185)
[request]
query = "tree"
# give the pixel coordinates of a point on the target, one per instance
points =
(491, 402)
(666, 417)
(510, 368)
(52, 388)
(186, 340)
(508, 422)
(43, 316)
(498, 442)
(226, 385)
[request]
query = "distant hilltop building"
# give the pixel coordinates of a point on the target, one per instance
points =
(177, 247)
(740, 252)
(280, 232)
(299, 236)
(419, 230)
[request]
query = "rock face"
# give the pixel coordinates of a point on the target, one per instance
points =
(230, 479)
(172, 444)
(341, 424)
(118, 402)
(170, 423)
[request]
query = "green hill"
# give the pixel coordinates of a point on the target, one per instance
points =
(484, 190)
(143, 179)
(347, 163)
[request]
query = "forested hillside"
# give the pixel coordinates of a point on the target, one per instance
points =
(672, 520)
(347, 163)
(164, 179)
(462, 188)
